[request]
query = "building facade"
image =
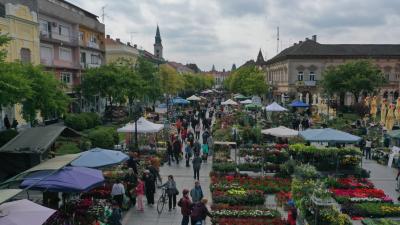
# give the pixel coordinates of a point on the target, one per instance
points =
(71, 40)
(18, 19)
(115, 50)
(297, 70)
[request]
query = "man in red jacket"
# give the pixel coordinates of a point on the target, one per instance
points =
(186, 207)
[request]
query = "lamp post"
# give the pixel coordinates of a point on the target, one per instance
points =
(137, 113)
(234, 133)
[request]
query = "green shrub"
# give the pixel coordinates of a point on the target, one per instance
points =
(92, 119)
(6, 136)
(75, 121)
(102, 138)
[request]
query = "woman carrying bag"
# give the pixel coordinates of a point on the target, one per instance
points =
(172, 191)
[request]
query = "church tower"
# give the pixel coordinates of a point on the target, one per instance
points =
(260, 58)
(158, 48)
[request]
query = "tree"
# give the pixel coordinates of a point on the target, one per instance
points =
(14, 87)
(248, 80)
(105, 81)
(4, 39)
(196, 82)
(354, 77)
(47, 95)
(148, 73)
(171, 81)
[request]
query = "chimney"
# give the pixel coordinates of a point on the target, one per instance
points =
(307, 39)
(300, 42)
(314, 38)
(135, 45)
(128, 43)
(108, 36)
(118, 40)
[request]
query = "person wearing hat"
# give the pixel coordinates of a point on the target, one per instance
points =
(149, 186)
(186, 207)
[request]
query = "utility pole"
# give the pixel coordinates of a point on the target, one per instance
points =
(277, 40)
(103, 14)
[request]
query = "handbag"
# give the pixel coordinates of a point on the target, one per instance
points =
(176, 191)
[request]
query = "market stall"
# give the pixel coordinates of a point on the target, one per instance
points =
(281, 131)
(23, 212)
(97, 157)
(328, 135)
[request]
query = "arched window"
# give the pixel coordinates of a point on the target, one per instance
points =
(25, 55)
(2, 10)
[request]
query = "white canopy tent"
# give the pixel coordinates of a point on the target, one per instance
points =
(229, 102)
(275, 107)
(281, 131)
(143, 126)
(248, 101)
(194, 98)
(208, 91)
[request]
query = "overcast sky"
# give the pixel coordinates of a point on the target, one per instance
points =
(223, 32)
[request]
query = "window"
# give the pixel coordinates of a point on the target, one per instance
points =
(300, 76)
(81, 35)
(93, 38)
(63, 31)
(66, 77)
(65, 54)
(44, 27)
(83, 57)
(46, 55)
(94, 59)
(312, 76)
(387, 76)
(25, 55)
(2, 10)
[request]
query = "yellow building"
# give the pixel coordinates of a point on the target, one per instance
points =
(20, 22)
(115, 50)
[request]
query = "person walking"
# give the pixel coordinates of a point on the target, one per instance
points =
(200, 212)
(196, 162)
(196, 148)
(170, 153)
(177, 146)
(172, 191)
(178, 125)
(368, 145)
(131, 180)
(149, 186)
(133, 161)
(188, 153)
(186, 207)
(139, 195)
(205, 136)
(197, 130)
(204, 148)
(210, 143)
(116, 215)
(117, 193)
(196, 193)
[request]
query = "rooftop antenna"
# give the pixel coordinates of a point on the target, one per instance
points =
(277, 40)
(103, 14)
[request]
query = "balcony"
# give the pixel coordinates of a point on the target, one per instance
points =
(93, 45)
(89, 65)
(306, 83)
(69, 40)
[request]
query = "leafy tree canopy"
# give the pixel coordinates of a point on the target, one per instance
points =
(248, 80)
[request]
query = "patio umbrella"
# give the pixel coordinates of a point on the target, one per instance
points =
(143, 126)
(252, 106)
(68, 179)
(229, 102)
(281, 131)
(299, 104)
(248, 101)
(328, 135)
(180, 101)
(275, 107)
(193, 98)
(98, 157)
(23, 212)
(239, 96)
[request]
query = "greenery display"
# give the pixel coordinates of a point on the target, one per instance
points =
(224, 167)
(372, 209)
(249, 197)
(82, 121)
(380, 222)
(103, 138)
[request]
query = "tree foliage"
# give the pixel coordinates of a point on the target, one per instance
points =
(196, 82)
(171, 81)
(151, 84)
(248, 80)
(354, 77)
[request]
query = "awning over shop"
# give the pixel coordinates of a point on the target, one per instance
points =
(299, 104)
(6, 194)
(328, 135)
(97, 157)
(281, 131)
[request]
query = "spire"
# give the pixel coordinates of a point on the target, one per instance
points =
(213, 68)
(233, 67)
(260, 58)
(158, 36)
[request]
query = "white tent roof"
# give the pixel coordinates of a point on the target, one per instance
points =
(275, 107)
(207, 91)
(143, 126)
(248, 101)
(281, 132)
(193, 98)
(229, 102)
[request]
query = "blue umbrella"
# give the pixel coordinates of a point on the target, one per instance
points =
(98, 157)
(68, 179)
(299, 104)
(180, 101)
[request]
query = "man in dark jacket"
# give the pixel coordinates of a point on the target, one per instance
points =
(133, 161)
(205, 136)
(186, 207)
(196, 166)
(150, 186)
(199, 212)
(177, 150)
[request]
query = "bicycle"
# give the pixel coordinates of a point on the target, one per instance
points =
(162, 200)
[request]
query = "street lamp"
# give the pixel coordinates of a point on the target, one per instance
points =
(137, 113)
